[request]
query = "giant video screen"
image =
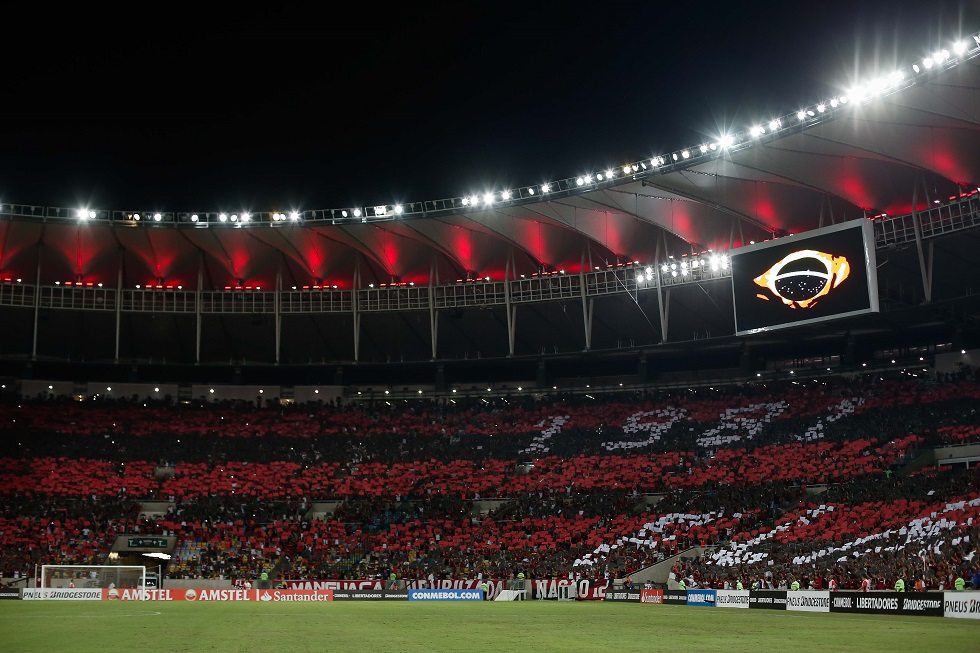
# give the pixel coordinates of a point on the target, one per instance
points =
(818, 275)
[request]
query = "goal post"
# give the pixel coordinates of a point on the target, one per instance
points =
(92, 576)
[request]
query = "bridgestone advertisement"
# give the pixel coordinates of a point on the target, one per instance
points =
(961, 605)
(768, 600)
(926, 604)
(731, 598)
(808, 601)
(52, 594)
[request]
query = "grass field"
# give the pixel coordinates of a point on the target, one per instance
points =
(533, 626)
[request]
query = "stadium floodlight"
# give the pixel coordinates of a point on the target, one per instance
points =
(756, 131)
(927, 63)
(398, 209)
(246, 217)
(505, 195)
(821, 107)
(530, 190)
(610, 174)
(136, 216)
(222, 217)
(157, 217)
(195, 218)
(801, 115)
(488, 198)
(834, 103)
(626, 170)
(686, 154)
(704, 149)
(774, 125)
(546, 188)
(234, 217)
(357, 213)
(580, 181)
(664, 268)
(466, 201)
(381, 210)
(959, 47)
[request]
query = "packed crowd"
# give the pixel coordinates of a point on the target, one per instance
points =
(551, 486)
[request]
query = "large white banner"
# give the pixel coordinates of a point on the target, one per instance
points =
(961, 605)
(808, 601)
(732, 599)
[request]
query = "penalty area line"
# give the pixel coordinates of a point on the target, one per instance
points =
(148, 613)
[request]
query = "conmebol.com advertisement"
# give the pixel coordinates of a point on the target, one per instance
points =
(445, 595)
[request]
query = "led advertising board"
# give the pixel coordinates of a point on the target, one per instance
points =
(819, 275)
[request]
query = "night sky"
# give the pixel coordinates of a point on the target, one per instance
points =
(182, 108)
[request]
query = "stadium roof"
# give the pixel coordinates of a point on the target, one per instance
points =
(909, 141)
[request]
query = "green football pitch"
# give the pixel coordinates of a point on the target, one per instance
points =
(534, 626)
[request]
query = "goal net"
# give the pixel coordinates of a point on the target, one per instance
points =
(92, 576)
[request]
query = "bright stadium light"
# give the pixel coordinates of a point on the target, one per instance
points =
(157, 217)
(959, 47)
(222, 217)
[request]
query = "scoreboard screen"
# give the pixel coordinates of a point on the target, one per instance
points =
(818, 275)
